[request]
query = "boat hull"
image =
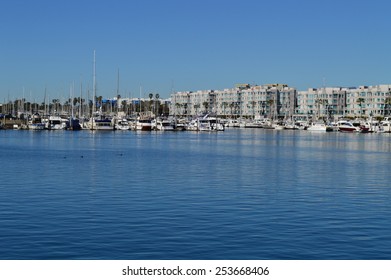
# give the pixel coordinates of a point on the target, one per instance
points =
(347, 129)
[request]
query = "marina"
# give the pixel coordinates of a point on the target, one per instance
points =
(198, 123)
(204, 139)
(240, 194)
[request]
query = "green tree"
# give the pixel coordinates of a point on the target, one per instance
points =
(360, 101)
(178, 107)
(318, 103)
(206, 105)
(253, 103)
(150, 101)
(224, 105)
(387, 105)
(231, 106)
(55, 104)
(270, 104)
(98, 102)
(124, 104)
(157, 103)
(196, 107)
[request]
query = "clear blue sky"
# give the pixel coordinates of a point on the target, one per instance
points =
(190, 45)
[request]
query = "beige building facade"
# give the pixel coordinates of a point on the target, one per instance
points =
(281, 101)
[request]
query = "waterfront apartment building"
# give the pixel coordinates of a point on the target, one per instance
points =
(369, 100)
(328, 101)
(350, 102)
(281, 101)
(244, 100)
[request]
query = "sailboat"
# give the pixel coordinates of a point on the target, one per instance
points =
(98, 122)
(74, 123)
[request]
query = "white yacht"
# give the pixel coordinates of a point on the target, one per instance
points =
(319, 126)
(232, 123)
(36, 123)
(96, 123)
(254, 124)
(278, 126)
(206, 123)
(56, 123)
(122, 124)
(346, 126)
(164, 124)
(144, 124)
(385, 126)
(36, 126)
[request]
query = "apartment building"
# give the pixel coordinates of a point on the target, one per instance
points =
(369, 100)
(282, 101)
(244, 100)
(328, 101)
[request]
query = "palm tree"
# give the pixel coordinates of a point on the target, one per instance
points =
(253, 103)
(178, 106)
(67, 106)
(387, 105)
(117, 102)
(263, 105)
(27, 106)
(270, 103)
(196, 107)
(185, 108)
(206, 105)
(124, 104)
(231, 106)
(55, 104)
(224, 105)
(81, 106)
(326, 108)
(150, 101)
(157, 96)
(99, 101)
(319, 102)
(360, 101)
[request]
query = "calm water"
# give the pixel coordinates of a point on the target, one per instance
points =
(239, 194)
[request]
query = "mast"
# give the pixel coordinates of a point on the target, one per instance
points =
(94, 93)
(72, 95)
(22, 104)
(118, 91)
(44, 103)
(81, 98)
(71, 99)
(117, 82)
(140, 99)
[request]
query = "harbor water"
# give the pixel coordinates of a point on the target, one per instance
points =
(237, 194)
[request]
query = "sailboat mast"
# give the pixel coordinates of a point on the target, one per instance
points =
(94, 85)
(118, 96)
(140, 99)
(94, 92)
(71, 99)
(44, 103)
(117, 82)
(81, 99)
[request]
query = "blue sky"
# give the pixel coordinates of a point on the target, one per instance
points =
(190, 45)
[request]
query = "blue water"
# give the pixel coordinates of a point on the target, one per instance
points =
(238, 194)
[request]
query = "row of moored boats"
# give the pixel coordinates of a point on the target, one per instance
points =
(202, 123)
(343, 125)
(100, 122)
